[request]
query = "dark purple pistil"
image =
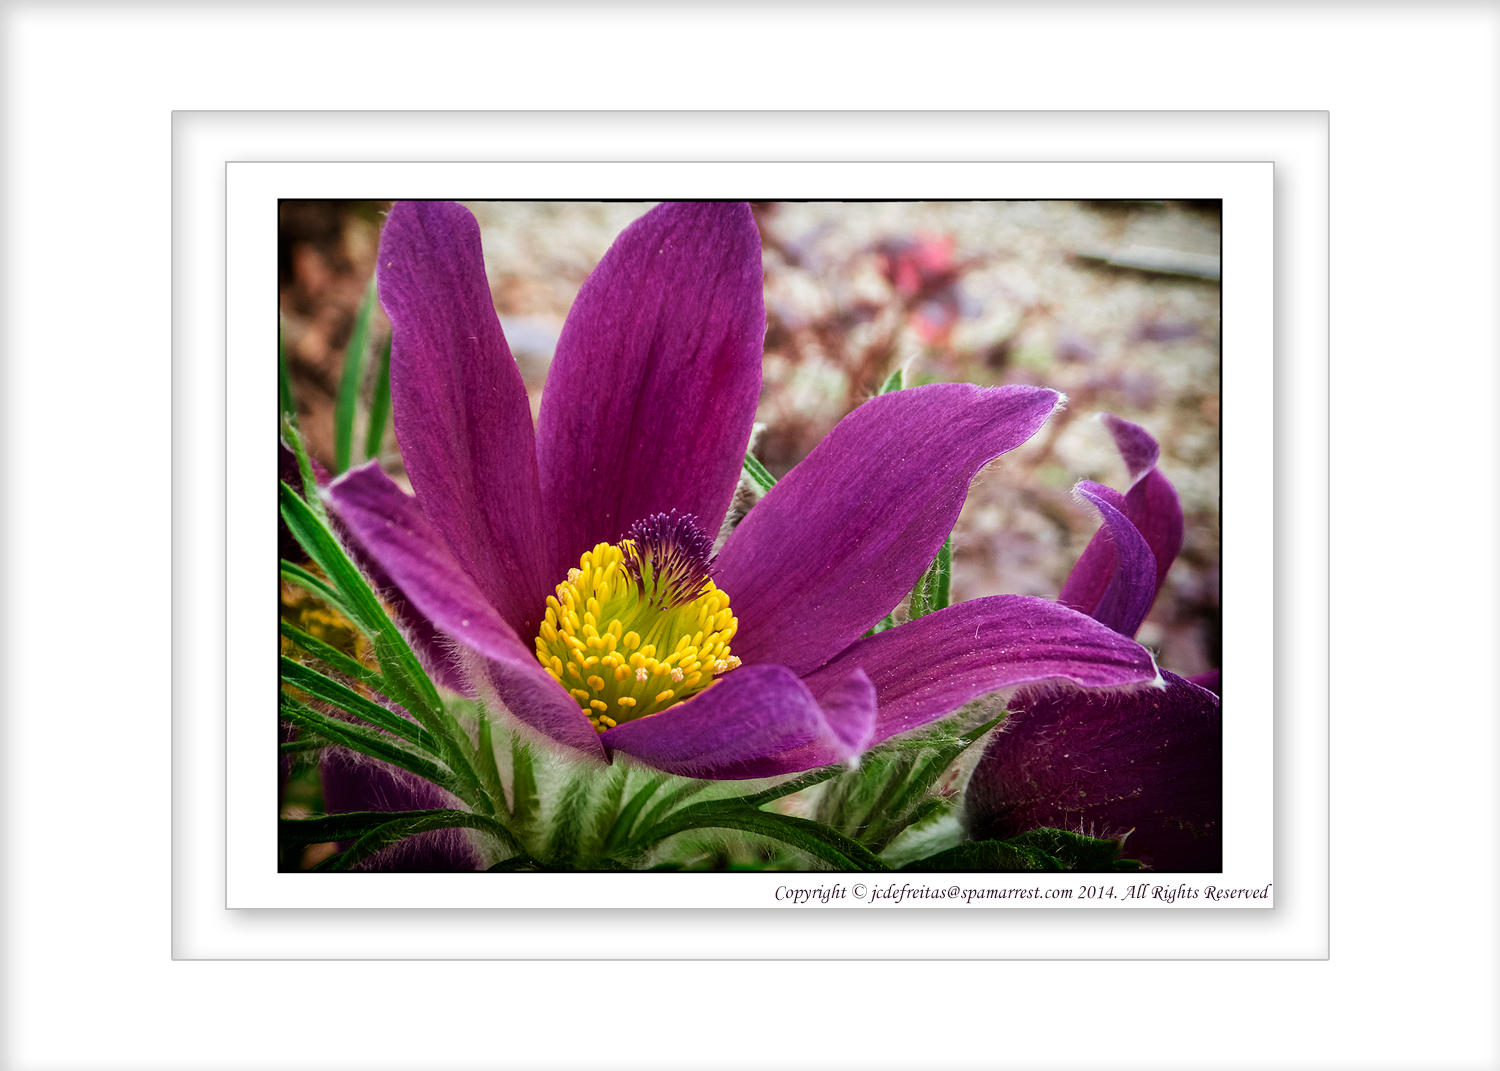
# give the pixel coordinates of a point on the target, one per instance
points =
(670, 558)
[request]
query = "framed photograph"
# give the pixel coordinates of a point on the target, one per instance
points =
(754, 433)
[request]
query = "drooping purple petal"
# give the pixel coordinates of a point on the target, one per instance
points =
(652, 392)
(1145, 766)
(928, 667)
(1138, 449)
(1153, 508)
(460, 408)
(839, 541)
(389, 527)
(1211, 680)
(1132, 581)
(356, 783)
(435, 652)
(758, 721)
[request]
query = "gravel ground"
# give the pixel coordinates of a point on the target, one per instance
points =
(1114, 303)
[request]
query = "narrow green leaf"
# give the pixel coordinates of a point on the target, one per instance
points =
(758, 473)
(351, 702)
(936, 763)
(283, 377)
(605, 813)
(383, 836)
(347, 734)
(893, 382)
(489, 771)
(407, 683)
(685, 790)
(809, 837)
(931, 592)
(350, 825)
(295, 574)
(333, 658)
(567, 820)
(619, 833)
(525, 803)
(350, 382)
(306, 477)
(787, 788)
(380, 404)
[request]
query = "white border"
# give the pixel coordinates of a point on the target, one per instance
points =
(253, 190)
(1412, 981)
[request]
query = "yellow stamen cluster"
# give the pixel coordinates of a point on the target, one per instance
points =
(624, 655)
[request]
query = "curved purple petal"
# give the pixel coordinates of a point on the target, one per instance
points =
(1138, 448)
(356, 783)
(1146, 764)
(933, 665)
(758, 721)
(1132, 576)
(652, 392)
(1153, 508)
(839, 541)
(460, 409)
(390, 528)
(1210, 680)
(434, 651)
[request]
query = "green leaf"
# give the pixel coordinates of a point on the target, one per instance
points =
(619, 833)
(889, 791)
(489, 771)
(757, 473)
(380, 404)
(349, 382)
(306, 477)
(809, 837)
(409, 824)
(931, 592)
(787, 788)
(893, 382)
(686, 789)
(606, 811)
(332, 657)
(525, 802)
(567, 819)
(351, 702)
(350, 825)
(406, 682)
(356, 738)
(295, 574)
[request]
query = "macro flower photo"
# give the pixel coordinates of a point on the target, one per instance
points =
(726, 536)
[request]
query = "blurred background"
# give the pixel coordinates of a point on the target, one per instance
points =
(1115, 303)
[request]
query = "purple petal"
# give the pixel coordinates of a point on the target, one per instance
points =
(839, 541)
(356, 783)
(933, 665)
(758, 721)
(651, 395)
(1132, 568)
(1153, 508)
(1147, 764)
(1209, 680)
(434, 651)
(389, 527)
(460, 409)
(1137, 447)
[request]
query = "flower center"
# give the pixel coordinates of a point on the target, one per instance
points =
(639, 626)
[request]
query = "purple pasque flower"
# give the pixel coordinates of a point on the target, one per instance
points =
(1145, 765)
(573, 562)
